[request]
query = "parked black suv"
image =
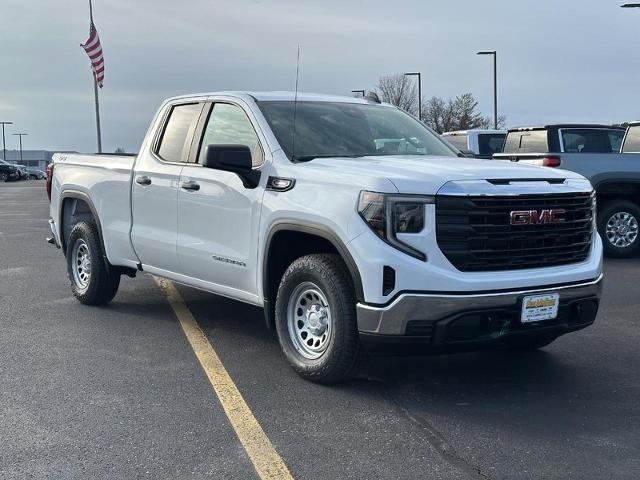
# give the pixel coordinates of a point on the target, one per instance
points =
(8, 172)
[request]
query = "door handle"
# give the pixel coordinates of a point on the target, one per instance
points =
(191, 185)
(144, 180)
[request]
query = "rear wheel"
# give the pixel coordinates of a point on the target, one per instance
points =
(93, 281)
(618, 224)
(316, 319)
(4, 177)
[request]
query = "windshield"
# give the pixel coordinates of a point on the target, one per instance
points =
(334, 129)
(458, 141)
(528, 141)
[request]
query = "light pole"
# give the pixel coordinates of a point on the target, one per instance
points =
(630, 5)
(419, 91)
(495, 85)
(20, 135)
(358, 91)
(4, 143)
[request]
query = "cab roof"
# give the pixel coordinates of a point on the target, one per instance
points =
(280, 96)
(565, 125)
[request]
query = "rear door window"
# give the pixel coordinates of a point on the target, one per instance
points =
(490, 143)
(178, 132)
(591, 140)
(530, 141)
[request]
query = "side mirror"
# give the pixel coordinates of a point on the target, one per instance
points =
(468, 153)
(233, 158)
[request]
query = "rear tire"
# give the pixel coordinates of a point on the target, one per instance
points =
(4, 177)
(93, 281)
(618, 223)
(316, 319)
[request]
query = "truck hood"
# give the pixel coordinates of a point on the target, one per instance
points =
(427, 174)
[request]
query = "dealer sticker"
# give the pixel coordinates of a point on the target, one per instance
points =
(540, 307)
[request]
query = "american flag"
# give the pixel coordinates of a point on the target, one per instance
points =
(94, 50)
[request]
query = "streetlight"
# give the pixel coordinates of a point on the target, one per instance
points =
(495, 85)
(630, 5)
(358, 91)
(419, 91)
(20, 135)
(4, 143)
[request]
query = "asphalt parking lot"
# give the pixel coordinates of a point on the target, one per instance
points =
(117, 392)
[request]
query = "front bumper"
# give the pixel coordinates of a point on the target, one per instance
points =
(467, 321)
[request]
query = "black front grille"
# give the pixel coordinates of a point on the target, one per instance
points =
(476, 235)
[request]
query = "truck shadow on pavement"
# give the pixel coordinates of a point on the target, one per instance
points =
(489, 378)
(556, 404)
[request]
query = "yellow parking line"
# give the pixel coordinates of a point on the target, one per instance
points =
(264, 457)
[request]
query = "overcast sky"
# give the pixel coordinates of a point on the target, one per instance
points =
(564, 60)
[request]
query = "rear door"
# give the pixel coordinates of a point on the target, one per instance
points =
(156, 183)
(218, 217)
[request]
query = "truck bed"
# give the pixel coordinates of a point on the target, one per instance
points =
(597, 167)
(105, 181)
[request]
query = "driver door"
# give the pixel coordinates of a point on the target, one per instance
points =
(218, 218)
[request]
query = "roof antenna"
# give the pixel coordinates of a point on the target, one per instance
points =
(295, 108)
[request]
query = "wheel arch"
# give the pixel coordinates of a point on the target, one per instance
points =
(618, 188)
(76, 205)
(318, 239)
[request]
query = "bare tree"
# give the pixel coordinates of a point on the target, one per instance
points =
(398, 90)
(487, 122)
(438, 114)
(119, 150)
(456, 114)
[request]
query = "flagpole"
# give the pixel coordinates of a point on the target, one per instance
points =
(95, 93)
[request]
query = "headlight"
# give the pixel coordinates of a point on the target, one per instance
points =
(391, 214)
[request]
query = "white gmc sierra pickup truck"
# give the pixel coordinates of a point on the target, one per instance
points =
(350, 222)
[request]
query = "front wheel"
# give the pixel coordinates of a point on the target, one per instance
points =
(4, 177)
(618, 225)
(316, 319)
(93, 281)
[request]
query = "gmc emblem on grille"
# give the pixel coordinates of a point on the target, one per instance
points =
(533, 217)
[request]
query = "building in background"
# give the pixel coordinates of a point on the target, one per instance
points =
(31, 158)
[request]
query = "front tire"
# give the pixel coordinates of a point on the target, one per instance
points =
(4, 177)
(316, 319)
(618, 224)
(93, 281)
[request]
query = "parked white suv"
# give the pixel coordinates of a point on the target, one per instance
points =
(480, 143)
(297, 207)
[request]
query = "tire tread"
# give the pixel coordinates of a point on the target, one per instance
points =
(343, 360)
(104, 282)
